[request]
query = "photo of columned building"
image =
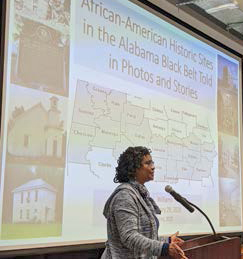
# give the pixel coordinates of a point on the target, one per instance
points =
(34, 202)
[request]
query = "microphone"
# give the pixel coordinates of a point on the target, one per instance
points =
(190, 206)
(179, 198)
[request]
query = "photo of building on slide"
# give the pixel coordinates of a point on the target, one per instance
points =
(40, 49)
(33, 191)
(33, 201)
(228, 147)
(35, 162)
(43, 142)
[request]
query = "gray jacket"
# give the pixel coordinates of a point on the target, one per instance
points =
(131, 226)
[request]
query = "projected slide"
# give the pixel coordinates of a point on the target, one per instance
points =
(86, 79)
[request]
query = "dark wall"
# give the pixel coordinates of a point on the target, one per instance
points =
(94, 253)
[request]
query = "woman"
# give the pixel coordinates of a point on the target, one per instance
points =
(132, 225)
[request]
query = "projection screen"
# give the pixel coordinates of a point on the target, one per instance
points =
(83, 80)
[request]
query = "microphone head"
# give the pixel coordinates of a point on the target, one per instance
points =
(168, 188)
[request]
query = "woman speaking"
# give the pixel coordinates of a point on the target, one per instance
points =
(132, 225)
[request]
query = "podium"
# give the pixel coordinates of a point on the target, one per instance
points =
(213, 247)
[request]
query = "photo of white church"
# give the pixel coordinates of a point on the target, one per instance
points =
(37, 134)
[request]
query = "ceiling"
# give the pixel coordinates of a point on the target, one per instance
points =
(228, 14)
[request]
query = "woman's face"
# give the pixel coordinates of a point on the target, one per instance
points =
(146, 172)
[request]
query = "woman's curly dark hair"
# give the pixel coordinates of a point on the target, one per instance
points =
(128, 162)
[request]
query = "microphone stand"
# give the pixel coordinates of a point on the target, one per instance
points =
(211, 225)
